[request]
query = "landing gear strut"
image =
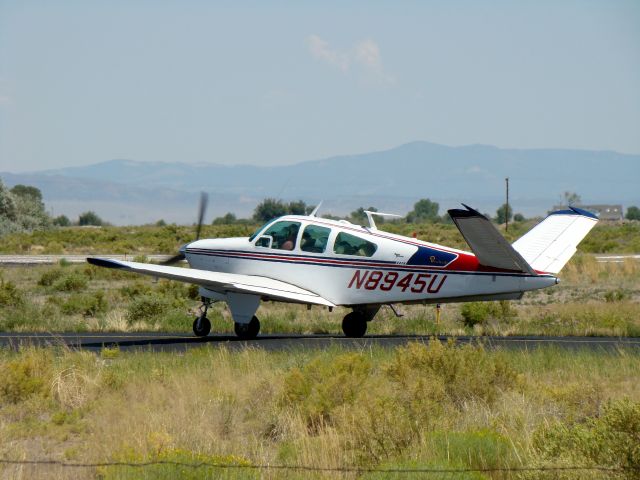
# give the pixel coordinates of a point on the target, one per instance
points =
(248, 331)
(202, 325)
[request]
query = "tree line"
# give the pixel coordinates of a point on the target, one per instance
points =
(22, 210)
(424, 211)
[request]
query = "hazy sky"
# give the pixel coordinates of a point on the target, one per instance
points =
(281, 82)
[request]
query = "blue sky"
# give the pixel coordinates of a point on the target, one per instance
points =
(281, 82)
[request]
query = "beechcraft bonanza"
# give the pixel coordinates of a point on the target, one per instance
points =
(315, 261)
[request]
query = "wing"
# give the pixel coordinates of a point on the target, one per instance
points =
(489, 246)
(220, 282)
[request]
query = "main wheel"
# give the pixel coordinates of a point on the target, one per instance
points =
(248, 331)
(354, 325)
(201, 326)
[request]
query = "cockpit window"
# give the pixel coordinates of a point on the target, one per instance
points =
(284, 235)
(314, 239)
(347, 244)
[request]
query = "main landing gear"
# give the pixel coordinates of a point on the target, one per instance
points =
(248, 331)
(354, 324)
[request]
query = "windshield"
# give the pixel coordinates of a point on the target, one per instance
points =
(260, 228)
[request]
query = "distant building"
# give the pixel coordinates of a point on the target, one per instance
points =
(611, 213)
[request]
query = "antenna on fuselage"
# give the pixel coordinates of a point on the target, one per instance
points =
(315, 210)
(372, 223)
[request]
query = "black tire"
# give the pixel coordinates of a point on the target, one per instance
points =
(354, 325)
(203, 329)
(248, 331)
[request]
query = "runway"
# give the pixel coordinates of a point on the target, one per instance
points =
(180, 342)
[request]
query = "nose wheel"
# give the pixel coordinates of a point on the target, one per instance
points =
(202, 325)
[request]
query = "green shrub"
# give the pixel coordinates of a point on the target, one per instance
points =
(48, 277)
(325, 384)
(70, 282)
(135, 289)
(24, 376)
(611, 439)
(615, 296)
(89, 304)
(147, 307)
(463, 373)
(477, 313)
(10, 294)
(168, 466)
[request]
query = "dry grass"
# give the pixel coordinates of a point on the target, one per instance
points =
(427, 406)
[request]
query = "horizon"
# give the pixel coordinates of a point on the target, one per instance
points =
(209, 164)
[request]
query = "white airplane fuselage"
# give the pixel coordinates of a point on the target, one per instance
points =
(401, 270)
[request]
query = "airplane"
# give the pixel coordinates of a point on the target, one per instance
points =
(310, 260)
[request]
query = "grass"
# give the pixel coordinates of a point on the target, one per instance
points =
(433, 405)
(592, 299)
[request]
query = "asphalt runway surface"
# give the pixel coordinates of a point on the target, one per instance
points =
(180, 342)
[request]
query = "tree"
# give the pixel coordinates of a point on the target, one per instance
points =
(423, 211)
(633, 213)
(503, 213)
(62, 221)
(227, 219)
(518, 217)
(89, 218)
(26, 191)
(268, 209)
(572, 198)
(360, 217)
(298, 208)
(21, 209)
(8, 210)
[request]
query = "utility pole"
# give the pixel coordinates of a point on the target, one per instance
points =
(506, 213)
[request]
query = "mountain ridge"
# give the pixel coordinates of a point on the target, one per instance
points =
(388, 179)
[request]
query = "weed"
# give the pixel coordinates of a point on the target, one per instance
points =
(70, 282)
(24, 376)
(148, 307)
(611, 439)
(615, 296)
(10, 295)
(50, 276)
(323, 385)
(464, 373)
(87, 304)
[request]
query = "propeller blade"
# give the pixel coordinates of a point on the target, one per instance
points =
(204, 198)
(173, 260)
(202, 209)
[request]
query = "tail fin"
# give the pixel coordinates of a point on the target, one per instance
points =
(549, 245)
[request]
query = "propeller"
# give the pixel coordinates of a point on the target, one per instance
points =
(204, 198)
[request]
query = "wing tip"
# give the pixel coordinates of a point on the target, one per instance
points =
(104, 262)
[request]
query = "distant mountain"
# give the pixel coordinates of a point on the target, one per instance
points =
(390, 180)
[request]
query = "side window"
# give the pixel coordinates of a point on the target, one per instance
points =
(284, 235)
(347, 244)
(314, 239)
